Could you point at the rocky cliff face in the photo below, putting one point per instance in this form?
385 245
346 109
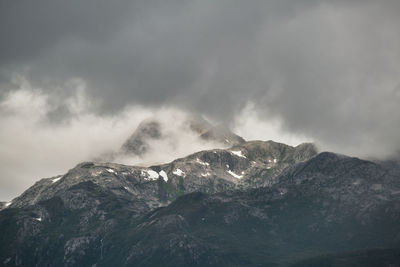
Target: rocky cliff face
327 204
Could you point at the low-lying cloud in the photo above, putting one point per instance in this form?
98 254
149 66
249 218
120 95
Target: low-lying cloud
37 142
33 147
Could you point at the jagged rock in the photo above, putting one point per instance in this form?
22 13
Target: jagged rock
252 164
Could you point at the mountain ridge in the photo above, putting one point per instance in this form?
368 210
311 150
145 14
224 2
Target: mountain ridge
254 203
209 171
327 204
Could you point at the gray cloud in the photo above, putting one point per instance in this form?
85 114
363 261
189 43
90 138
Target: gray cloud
327 70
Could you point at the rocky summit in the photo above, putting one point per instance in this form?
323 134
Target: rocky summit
255 203
153 129
252 164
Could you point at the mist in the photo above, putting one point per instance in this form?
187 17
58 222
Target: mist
41 138
290 71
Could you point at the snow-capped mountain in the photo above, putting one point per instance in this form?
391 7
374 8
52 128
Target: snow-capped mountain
252 164
157 140
256 203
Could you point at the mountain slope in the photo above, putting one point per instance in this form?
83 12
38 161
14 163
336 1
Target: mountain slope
365 258
249 165
315 211
327 204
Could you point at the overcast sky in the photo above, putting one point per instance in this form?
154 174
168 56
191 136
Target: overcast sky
326 71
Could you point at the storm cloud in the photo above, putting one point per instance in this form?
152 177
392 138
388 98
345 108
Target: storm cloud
328 71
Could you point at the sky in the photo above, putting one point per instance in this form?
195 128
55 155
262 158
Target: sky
76 77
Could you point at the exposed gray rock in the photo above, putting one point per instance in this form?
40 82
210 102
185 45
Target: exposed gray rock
141 141
137 143
252 164
322 205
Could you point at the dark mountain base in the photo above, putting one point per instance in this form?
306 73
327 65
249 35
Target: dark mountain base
368 258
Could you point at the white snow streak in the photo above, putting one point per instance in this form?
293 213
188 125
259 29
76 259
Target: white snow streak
164 175
178 172
152 175
111 171
235 175
238 153
55 180
202 162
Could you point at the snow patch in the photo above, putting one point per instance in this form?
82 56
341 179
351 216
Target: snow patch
126 188
56 180
164 175
202 162
235 175
8 204
178 172
238 153
206 174
111 171
275 160
151 175
38 219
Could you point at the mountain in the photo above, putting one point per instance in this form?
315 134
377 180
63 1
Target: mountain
328 204
252 164
208 132
137 143
365 258
151 130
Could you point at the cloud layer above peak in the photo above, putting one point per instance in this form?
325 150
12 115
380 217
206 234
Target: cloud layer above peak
327 71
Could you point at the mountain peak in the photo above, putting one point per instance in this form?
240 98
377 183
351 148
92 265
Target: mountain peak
137 143
201 209
152 130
